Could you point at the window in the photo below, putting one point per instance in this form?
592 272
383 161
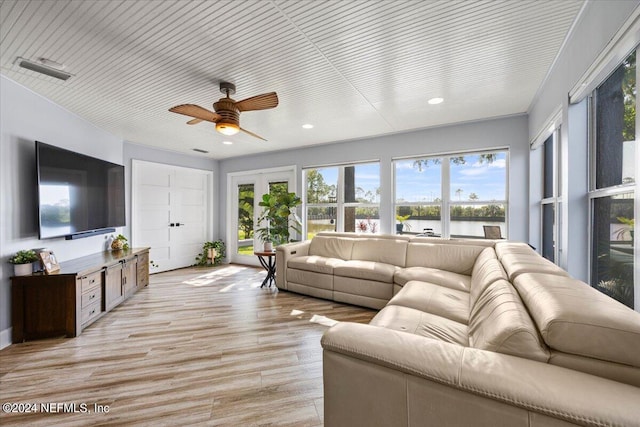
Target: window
613 187
551 203
471 189
342 198
419 196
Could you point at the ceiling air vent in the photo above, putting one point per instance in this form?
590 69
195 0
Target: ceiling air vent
200 151
44 66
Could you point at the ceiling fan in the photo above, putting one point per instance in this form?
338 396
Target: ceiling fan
227 111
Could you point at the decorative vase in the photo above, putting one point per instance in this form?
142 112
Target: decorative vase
268 247
22 269
117 245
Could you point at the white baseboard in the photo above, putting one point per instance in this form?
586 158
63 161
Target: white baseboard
5 338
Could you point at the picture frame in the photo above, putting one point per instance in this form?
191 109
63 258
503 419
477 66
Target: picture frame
49 261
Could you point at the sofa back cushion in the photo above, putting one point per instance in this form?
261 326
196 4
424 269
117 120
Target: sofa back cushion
503 248
516 264
575 318
500 322
486 270
387 251
454 241
455 258
331 247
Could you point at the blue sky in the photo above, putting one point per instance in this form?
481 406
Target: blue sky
486 180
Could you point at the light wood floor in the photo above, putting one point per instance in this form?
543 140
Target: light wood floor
196 347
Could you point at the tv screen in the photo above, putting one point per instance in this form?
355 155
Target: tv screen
77 193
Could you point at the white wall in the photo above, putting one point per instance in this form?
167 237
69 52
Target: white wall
509 132
596 26
24 118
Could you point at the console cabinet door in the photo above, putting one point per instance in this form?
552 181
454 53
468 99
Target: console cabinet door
129 277
113 286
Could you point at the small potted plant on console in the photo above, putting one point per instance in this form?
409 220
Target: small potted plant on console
120 242
23 262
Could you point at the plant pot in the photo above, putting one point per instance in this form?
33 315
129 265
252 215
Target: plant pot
22 269
268 247
117 244
211 254
399 228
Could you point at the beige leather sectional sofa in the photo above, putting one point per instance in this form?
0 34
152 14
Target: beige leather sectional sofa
469 333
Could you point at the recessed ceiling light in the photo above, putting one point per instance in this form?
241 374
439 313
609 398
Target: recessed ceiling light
434 101
307 126
227 142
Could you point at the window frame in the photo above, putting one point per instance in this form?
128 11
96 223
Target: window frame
555 200
595 193
445 182
339 205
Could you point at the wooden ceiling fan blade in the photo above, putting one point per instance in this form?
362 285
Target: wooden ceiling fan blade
194 121
258 102
196 111
252 134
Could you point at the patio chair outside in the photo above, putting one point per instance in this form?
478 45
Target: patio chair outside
492 232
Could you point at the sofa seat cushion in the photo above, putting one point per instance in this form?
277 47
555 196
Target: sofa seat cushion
431 298
460 282
500 322
577 319
418 322
368 270
315 263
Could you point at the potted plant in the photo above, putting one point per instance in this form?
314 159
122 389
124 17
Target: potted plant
119 242
23 262
212 253
402 223
264 234
279 218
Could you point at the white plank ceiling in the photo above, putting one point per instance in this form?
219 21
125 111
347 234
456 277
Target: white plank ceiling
353 69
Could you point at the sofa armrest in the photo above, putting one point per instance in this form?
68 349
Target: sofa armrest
503 383
283 254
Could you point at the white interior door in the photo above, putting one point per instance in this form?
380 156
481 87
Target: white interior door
245 192
171 212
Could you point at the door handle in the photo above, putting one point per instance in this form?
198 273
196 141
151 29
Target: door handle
172 225
178 224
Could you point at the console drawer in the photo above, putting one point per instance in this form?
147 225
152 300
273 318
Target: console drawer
91 280
92 296
91 312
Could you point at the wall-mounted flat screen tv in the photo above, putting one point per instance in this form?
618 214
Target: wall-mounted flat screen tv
78 195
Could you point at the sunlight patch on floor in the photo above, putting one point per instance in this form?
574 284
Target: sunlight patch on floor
214 276
323 320
227 288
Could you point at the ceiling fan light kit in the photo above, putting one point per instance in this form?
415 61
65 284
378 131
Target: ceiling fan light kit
227 110
227 128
